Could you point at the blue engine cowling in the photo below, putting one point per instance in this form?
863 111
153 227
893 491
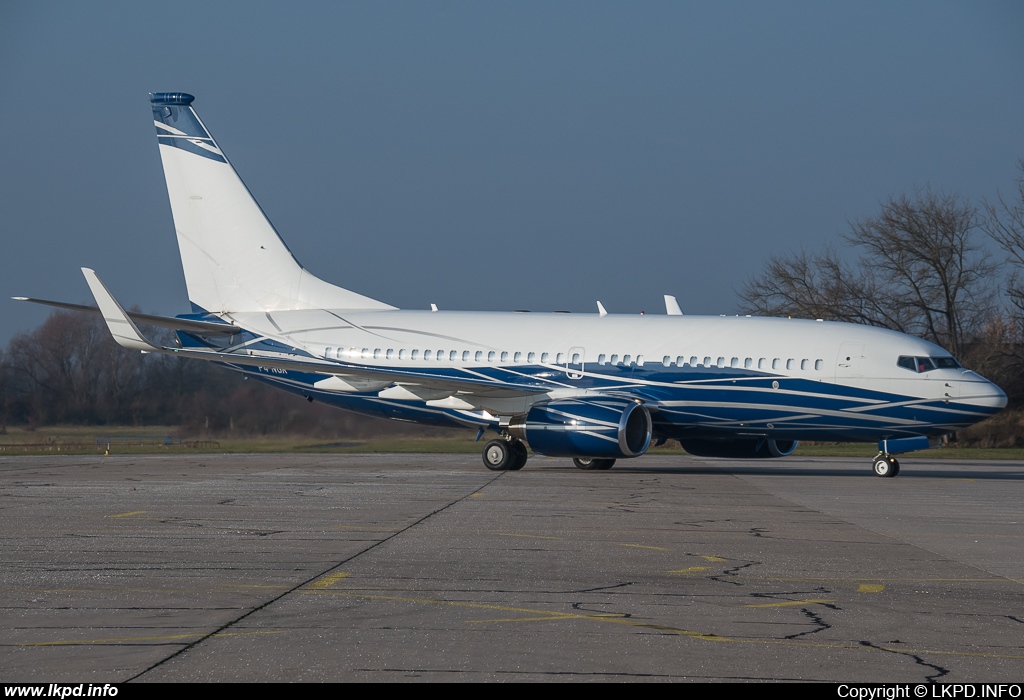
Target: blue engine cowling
740 448
585 428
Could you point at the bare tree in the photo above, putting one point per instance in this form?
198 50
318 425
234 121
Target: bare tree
1004 223
803 285
922 271
930 275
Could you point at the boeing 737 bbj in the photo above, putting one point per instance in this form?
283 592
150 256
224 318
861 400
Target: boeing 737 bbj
593 387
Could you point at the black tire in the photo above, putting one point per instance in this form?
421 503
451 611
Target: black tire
519 455
886 467
498 455
589 463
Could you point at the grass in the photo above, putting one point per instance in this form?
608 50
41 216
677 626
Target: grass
83 440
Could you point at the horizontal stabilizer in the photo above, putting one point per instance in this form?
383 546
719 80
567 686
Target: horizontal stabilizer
177 324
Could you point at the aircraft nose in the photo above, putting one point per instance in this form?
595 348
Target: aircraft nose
983 394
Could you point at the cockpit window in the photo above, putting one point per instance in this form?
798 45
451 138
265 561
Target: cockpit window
926 364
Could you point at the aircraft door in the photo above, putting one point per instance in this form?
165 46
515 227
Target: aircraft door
574 360
850 362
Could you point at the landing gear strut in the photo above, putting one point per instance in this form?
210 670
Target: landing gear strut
505 454
886 465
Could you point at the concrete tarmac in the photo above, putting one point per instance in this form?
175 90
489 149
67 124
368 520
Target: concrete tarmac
431 568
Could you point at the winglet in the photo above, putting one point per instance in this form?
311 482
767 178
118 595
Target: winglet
672 306
124 330
601 310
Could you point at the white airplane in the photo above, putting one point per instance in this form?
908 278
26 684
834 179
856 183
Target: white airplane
593 387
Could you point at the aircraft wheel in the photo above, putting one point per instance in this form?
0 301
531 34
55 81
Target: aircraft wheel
519 454
886 466
498 455
592 463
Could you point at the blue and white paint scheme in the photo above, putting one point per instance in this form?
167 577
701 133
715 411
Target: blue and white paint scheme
594 387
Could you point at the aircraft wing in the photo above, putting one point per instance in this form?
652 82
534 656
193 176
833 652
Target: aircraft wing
177 324
127 334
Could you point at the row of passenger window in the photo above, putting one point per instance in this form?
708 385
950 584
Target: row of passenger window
450 355
560 358
746 362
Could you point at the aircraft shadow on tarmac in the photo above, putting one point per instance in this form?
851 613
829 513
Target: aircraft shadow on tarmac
1010 472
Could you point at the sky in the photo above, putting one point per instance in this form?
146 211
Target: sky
496 155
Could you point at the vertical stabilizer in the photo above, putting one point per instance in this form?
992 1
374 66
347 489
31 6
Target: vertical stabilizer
233 258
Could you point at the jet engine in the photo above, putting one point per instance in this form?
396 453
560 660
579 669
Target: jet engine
741 448
598 428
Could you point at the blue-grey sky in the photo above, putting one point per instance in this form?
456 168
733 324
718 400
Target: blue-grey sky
502 155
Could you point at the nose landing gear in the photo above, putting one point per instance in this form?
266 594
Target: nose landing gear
886 465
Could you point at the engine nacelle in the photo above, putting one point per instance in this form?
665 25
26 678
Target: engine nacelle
740 448
597 428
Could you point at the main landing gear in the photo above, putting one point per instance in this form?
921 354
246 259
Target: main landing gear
588 463
505 454
886 465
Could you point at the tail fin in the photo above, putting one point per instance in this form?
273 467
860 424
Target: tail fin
233 258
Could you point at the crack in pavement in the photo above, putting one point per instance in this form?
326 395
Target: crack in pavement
940 671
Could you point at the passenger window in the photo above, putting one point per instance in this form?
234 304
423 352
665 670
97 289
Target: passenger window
707 361
376 353
531 357
693 361
416 355
327 352
453 355
600 359
721 362
576 358
761 363
401 354
789 364
803 364
735 362
366 353
666 360
748 363
639 360
504 356
427 354
615 359
544 357
819 364
465 355
776 363
626 359
390 355
479 356
490 356
560 358
339 352
518 357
